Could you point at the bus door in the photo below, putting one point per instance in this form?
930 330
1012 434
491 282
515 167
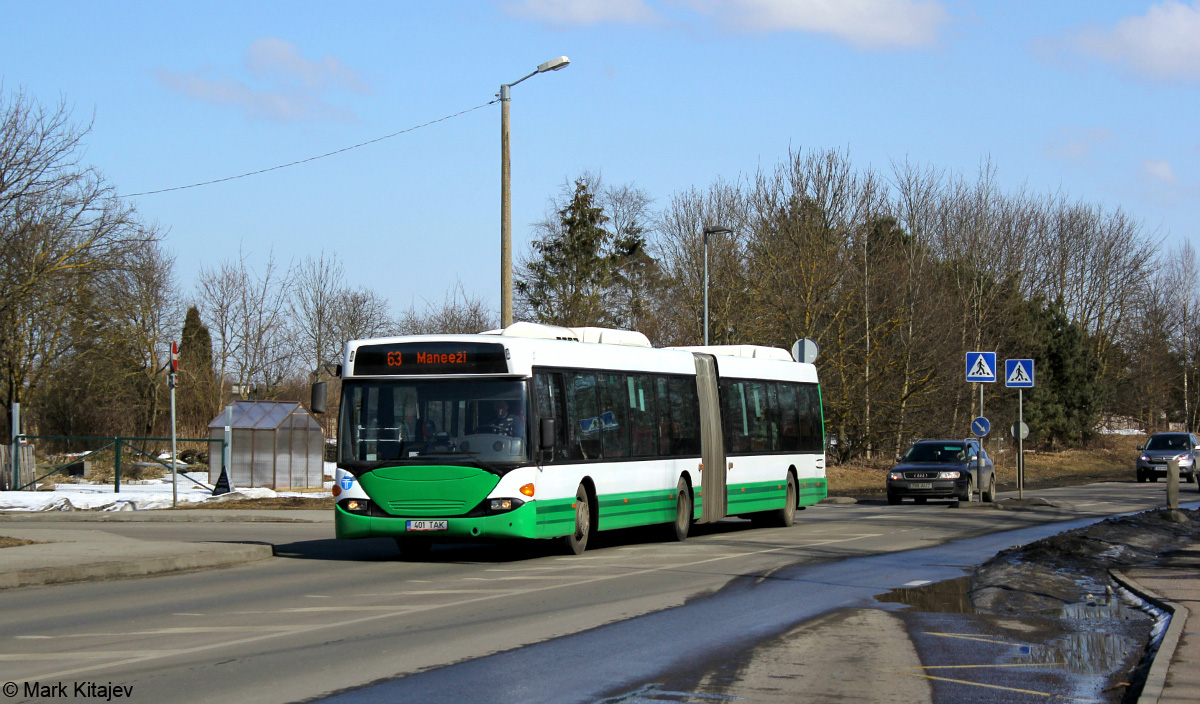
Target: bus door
712 443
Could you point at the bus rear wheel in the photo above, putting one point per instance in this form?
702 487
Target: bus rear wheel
683 512
786 516
576 542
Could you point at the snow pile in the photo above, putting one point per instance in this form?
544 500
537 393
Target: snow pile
149 494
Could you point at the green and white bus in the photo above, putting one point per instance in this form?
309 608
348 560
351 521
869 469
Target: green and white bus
537 431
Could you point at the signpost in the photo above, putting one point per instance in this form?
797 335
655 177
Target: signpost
172 382
981 369
1018 374
981 427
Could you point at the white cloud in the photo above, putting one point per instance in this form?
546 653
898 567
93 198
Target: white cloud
1163 44
867 24
583 12
281 60
1076 144
278 106
1159 170
288 87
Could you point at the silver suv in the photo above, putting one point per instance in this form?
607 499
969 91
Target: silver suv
1153 456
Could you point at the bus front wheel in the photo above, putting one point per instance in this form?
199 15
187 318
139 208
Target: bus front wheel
576 542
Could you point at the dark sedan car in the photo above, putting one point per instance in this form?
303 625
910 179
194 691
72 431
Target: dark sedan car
1161 447
940 469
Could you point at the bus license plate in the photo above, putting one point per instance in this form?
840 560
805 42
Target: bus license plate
426 525
917 485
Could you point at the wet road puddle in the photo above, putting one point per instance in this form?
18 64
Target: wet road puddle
1083 651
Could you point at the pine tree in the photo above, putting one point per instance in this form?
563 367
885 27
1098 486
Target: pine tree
573 265
1064 406
197 389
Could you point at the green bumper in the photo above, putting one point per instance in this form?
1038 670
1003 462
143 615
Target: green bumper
519 523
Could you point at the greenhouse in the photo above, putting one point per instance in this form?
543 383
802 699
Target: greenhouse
276 444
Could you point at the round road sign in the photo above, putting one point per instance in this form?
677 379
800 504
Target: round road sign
981 426
1020 430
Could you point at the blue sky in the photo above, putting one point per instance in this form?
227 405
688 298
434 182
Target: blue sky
1098 99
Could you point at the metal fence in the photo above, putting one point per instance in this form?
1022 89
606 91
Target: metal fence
28 473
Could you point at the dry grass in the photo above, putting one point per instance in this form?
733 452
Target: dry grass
278 502
1110 459
14 542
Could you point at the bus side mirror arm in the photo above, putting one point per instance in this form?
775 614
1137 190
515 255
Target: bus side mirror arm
546 434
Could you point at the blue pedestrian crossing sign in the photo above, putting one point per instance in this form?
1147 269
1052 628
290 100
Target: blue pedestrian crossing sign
1018 373
981 366
981 426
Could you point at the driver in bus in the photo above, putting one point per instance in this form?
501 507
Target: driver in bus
509 423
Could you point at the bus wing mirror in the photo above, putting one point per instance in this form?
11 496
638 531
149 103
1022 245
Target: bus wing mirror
318 398
546 434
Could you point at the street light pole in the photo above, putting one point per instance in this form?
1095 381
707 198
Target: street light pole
506 282
710 230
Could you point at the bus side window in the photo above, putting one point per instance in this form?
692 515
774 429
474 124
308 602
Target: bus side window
642 424
548 387
735 417
666 432
788 418
810 418
614 415
584 421
685 415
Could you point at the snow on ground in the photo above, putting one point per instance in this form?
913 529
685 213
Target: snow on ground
134 496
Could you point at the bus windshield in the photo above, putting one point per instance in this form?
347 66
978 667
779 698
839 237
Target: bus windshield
481 423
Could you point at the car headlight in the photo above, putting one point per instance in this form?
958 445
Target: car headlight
949 475
895 476
1144 457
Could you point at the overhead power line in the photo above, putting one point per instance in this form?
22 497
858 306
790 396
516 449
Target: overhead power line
313 158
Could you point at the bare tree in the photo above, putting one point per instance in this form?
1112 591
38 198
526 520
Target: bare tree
458 313
249 321
319 292
60 222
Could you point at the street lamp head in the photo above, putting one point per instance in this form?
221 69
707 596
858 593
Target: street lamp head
717 230
554 64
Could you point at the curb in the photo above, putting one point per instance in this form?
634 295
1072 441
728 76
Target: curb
208 559
1156 678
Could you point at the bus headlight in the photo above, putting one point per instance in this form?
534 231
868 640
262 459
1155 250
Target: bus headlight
357 506
502 505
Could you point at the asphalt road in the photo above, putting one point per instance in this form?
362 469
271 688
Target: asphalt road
325 617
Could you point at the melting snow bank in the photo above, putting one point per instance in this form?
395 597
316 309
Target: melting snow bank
151 494
1068 577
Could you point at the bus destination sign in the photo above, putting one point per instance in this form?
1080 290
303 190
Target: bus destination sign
409 358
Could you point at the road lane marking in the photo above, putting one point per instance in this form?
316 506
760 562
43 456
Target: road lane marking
376 617
84 654
177 630
423 592
357 607
917 583
979 684
973 636
973 667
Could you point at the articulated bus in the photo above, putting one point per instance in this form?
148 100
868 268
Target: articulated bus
537 431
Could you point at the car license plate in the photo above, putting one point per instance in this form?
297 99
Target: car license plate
920 485
426 525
